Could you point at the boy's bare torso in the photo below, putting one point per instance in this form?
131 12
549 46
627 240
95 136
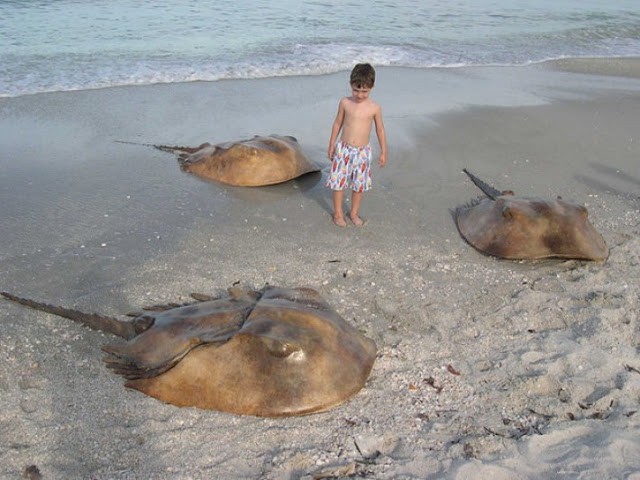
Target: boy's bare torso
358 117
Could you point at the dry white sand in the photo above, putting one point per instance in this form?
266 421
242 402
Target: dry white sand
486 369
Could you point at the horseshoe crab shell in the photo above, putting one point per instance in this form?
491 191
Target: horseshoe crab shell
275 352
507 226
259 161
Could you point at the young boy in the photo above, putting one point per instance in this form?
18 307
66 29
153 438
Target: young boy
351 156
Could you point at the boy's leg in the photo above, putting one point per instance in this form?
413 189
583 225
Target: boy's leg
338 216
361 181
356 200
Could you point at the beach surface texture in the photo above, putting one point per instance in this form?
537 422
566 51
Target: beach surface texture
486 368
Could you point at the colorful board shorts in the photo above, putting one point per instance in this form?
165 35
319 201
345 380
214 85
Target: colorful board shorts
350 168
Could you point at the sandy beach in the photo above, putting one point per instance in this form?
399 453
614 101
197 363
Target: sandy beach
486 368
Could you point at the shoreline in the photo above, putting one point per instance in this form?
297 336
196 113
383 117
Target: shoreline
610 66
541 347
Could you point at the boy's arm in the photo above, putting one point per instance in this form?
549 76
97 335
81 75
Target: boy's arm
335 129
382 136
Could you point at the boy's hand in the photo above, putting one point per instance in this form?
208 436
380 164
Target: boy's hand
383 159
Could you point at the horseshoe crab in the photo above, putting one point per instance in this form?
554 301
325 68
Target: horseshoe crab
273 352
259 161
507 226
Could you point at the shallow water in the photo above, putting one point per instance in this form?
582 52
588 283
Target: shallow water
130 42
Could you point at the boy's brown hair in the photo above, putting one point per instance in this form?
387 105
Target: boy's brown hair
363 76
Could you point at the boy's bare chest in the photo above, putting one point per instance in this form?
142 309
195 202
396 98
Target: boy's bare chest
359 112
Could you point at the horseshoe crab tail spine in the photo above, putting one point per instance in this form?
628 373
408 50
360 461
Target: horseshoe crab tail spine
91 320
135 143
488 190
164 148
175 148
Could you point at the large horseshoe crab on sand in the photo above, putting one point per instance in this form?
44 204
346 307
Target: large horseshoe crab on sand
507 226
255 162
274 352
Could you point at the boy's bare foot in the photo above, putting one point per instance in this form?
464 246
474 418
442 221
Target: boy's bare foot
357 221
339 221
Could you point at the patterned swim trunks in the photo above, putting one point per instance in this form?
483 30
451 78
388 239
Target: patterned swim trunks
350 168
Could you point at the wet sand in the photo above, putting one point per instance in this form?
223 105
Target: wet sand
547 352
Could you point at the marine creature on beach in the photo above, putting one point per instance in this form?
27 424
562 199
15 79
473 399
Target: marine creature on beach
255 162
508 226
271 353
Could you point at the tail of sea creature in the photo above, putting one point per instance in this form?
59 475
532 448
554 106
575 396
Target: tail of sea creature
92 320
176 148
488 190
164 148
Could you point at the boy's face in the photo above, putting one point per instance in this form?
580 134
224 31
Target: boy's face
360 93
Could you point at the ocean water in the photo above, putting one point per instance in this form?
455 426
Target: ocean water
58 45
